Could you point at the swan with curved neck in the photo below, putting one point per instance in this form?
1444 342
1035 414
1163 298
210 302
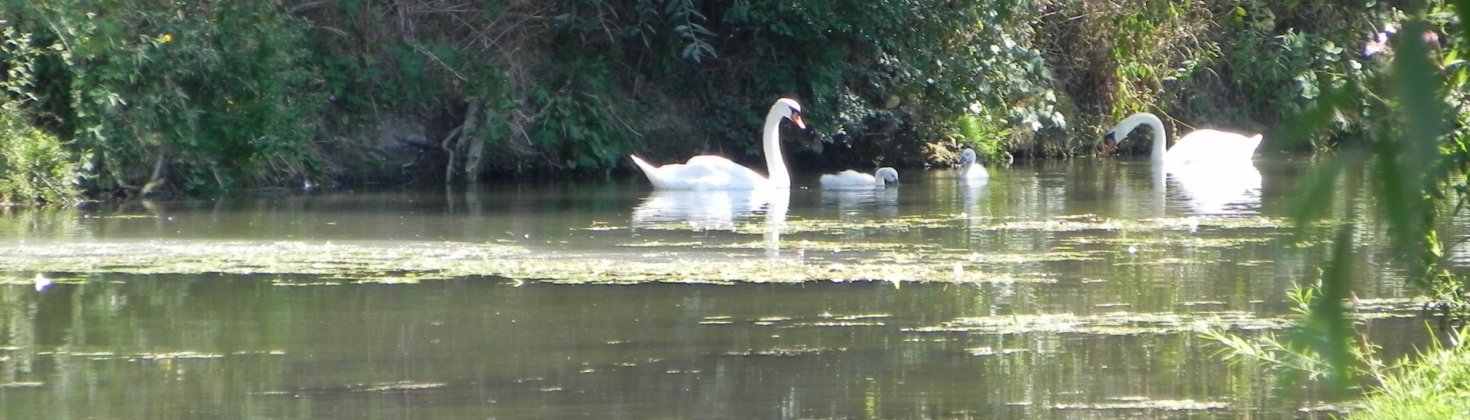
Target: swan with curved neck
1198 147
709 172
970 168
851 179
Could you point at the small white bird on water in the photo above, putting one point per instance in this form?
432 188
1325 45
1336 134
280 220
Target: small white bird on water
851 179
971 171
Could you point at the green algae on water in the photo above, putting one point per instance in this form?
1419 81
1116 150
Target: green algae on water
332 263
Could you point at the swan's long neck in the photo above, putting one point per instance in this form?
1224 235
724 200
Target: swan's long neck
771 138
1161 142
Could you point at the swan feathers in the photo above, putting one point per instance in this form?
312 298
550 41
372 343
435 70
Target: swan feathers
851 179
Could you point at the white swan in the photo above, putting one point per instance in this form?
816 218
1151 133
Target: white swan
1201 147
708 172
971 171
851 179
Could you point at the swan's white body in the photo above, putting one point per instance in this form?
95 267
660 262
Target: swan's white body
1201 147
971 171
708 172
850 179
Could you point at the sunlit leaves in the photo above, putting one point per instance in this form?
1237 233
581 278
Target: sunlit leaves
203 96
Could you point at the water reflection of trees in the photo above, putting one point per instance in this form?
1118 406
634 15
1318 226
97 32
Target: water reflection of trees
154 346
135 347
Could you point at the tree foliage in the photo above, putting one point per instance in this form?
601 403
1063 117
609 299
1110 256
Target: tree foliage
219 95
195 96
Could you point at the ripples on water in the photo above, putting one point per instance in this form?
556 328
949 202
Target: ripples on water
1069 290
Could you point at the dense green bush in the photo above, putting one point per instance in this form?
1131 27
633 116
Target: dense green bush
1243 65
33 165
576 85
195 96
1285 55
877 79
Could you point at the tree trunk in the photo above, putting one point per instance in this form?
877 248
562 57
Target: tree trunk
474 135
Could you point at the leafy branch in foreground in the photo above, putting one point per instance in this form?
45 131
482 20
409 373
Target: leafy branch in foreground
1292 355
1417 159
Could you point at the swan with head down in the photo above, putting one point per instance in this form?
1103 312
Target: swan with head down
971 171
709 172
850 179
1200 147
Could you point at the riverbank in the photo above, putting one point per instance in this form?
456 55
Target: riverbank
150 99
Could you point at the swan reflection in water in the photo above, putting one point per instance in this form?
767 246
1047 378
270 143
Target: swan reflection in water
717 210
977 214
972 193
1220 189
864 204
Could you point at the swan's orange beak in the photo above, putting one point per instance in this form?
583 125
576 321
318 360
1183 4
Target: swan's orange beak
1110 144
796 118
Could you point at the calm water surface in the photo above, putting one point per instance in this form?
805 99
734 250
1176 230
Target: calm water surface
1068 290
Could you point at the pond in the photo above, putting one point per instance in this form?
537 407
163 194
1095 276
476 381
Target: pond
1071 289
